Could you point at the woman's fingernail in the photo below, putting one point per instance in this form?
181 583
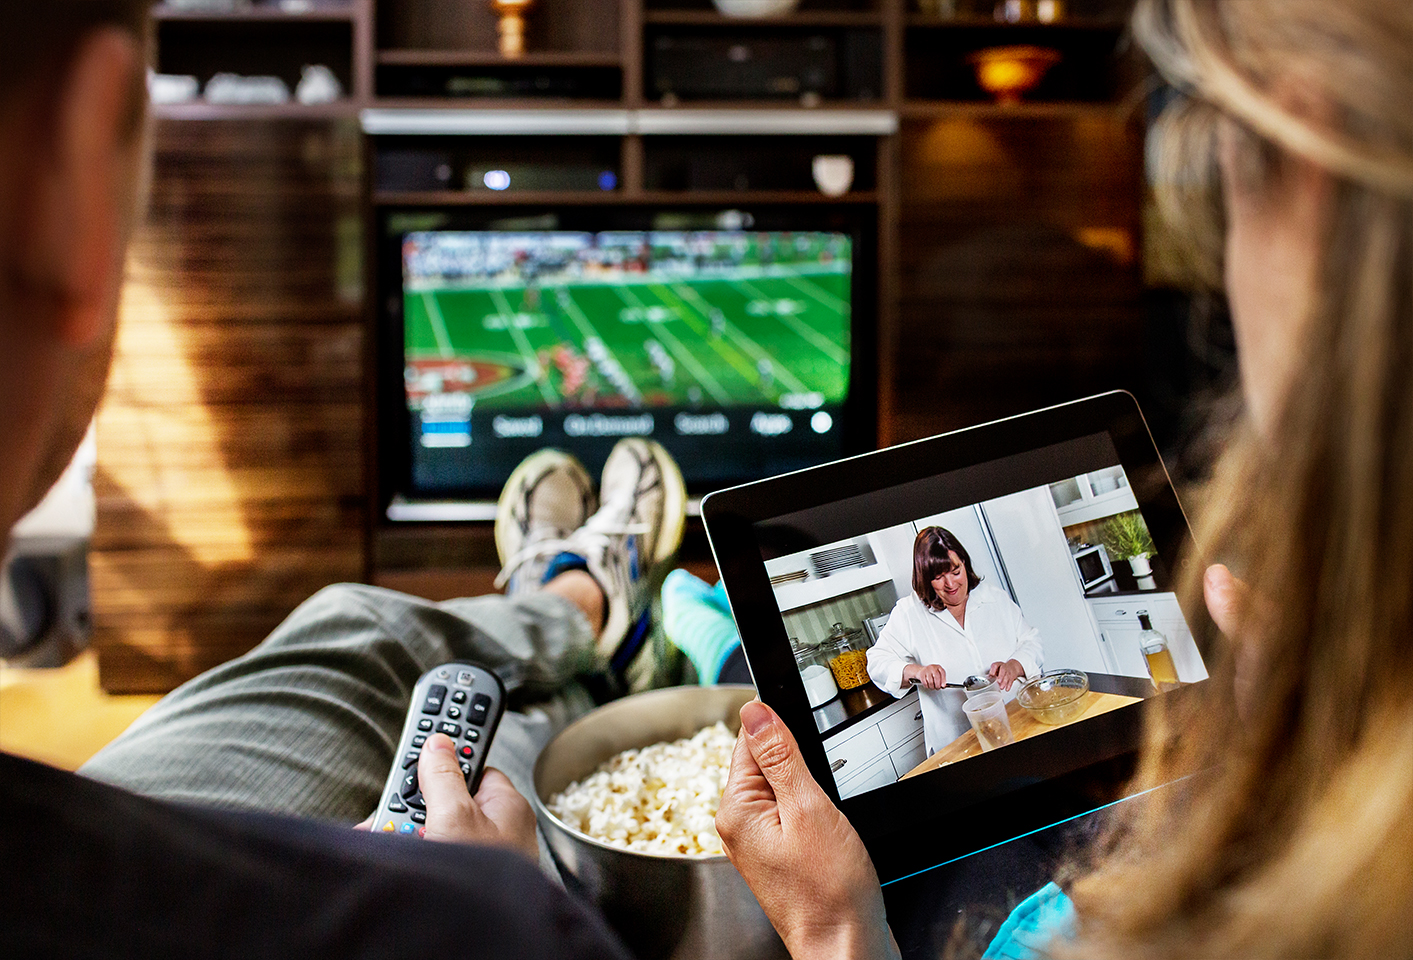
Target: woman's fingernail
755 717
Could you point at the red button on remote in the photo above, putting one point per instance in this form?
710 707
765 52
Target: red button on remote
467 752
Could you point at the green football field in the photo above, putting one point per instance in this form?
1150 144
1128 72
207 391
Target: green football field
777 337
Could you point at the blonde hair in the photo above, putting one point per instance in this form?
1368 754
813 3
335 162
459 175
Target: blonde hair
1297 839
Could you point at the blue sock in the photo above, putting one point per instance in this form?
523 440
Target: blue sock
563 563
696 619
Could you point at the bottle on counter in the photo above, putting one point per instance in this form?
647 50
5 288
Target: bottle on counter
1156 654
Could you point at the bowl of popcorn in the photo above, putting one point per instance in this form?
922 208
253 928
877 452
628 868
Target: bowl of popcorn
627 798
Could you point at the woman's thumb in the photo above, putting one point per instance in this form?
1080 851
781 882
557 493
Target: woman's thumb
774 750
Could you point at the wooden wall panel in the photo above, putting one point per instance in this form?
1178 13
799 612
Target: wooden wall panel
230 467
1018 273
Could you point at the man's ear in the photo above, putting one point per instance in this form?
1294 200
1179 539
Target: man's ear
79 211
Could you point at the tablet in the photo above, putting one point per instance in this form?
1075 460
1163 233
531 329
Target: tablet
1045 545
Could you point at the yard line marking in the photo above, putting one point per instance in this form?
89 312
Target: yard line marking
438 322
522 343
581 320
733 357
806 332
828 299
684 356
778 370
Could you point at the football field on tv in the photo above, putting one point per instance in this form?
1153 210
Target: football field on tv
757 337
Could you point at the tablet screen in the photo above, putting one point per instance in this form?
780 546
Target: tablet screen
1021 573
970 602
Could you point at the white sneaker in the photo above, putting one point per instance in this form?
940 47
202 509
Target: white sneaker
637 526
548 496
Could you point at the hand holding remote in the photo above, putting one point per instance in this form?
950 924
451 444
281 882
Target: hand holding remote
497 815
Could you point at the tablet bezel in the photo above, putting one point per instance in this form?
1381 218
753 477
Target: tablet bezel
913 824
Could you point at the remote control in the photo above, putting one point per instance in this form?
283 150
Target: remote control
463 701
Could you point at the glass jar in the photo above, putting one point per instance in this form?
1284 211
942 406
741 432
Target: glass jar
848 657
813 665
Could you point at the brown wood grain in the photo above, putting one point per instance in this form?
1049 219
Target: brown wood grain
230 457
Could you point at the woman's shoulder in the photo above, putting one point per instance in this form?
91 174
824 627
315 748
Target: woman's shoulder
988 592
907 606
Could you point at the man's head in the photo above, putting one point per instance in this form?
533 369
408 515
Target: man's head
71 164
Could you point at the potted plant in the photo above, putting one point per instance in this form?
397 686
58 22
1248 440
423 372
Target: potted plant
1126 537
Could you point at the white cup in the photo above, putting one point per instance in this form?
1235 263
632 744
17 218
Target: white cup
833 173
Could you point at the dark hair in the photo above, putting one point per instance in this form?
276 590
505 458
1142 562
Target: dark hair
38 38
931 560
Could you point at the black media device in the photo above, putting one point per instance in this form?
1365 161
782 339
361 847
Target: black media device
733 66
1027 498
743 341
462 700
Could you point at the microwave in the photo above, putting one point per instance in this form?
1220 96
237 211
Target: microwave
1093 564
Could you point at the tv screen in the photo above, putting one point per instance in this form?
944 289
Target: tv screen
734 348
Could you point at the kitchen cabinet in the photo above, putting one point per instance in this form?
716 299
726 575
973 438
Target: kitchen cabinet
878 750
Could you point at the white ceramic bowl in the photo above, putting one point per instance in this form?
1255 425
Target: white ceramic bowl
750 9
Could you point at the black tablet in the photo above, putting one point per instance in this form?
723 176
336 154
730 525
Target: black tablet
1043 548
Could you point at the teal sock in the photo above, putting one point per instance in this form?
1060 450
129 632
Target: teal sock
697 620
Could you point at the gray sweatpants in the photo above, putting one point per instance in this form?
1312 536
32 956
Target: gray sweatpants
306 723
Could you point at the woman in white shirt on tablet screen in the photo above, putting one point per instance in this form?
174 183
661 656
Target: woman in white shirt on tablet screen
950 627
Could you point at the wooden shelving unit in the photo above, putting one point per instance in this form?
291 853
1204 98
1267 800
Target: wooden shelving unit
1007 244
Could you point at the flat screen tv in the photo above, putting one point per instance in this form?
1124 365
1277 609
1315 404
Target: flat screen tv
743 342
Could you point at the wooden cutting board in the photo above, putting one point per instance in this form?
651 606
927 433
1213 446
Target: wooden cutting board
1023 725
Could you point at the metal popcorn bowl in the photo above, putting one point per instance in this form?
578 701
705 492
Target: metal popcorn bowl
683 908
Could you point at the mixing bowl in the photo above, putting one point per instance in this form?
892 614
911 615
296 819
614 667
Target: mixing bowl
684 908
1055 697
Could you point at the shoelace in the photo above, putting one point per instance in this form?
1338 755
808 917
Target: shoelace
595 533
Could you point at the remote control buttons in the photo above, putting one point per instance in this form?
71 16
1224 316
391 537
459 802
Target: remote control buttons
466 753
418 816
407 828
410 758
452 730
397 806
435 696
410 785
424 725
420 739
416 802
466 678
458 696
453 713
443 673
480 709
472 735
465 769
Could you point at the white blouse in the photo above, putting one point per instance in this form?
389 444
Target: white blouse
995 630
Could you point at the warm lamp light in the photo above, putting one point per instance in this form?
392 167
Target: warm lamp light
512 25
1009 73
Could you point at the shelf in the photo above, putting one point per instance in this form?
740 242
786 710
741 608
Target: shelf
961 109
268 13
801 18
506 118
535 198
792 596
765 119
200 110
489 58
445 118
976 22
